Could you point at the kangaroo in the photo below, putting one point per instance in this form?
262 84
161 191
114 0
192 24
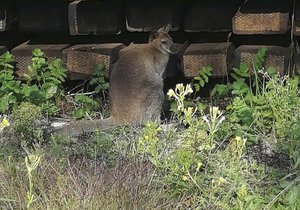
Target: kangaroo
136 85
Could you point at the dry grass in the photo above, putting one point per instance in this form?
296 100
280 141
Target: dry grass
81 184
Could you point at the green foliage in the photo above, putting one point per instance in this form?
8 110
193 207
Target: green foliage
267 112
293 196
209 163
173 161
282 96
241 72
187 168
239 87
103 148
240 112
220 90
240 75
191 169
9 87
149 143
99 79
45 75
42 83
203 77
292 144
26 119
249 110
86 105
260 59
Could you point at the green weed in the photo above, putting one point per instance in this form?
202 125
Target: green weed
207 159
42 83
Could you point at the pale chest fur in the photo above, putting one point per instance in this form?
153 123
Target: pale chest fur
159 62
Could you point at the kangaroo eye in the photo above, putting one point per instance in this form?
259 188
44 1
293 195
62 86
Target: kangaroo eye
164 41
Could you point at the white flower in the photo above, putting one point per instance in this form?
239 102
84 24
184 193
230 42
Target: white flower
179 87
171 93
188 89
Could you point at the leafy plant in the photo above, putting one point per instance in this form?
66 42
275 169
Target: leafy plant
220 90
148 143
86 106
26 124
266 111
240 87
203 77
241 72
248 109
45 74
9 87
43 80
211 162
42 83
99 79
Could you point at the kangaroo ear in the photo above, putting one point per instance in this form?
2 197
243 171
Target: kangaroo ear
164 29
183 47
152 36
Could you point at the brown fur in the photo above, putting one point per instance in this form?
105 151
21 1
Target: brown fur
136 85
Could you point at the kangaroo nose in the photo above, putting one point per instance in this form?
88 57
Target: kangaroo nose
173 49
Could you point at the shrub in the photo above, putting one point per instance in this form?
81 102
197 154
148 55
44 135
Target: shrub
42 83
26 124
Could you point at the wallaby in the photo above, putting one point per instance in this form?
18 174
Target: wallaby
135 85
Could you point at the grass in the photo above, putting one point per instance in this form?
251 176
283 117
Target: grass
80 184
121 177
244 157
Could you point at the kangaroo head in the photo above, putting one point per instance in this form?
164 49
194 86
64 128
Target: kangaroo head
162 41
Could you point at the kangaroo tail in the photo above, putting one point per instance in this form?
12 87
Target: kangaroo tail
84 126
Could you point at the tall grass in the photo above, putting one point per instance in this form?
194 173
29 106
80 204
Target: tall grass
80 184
